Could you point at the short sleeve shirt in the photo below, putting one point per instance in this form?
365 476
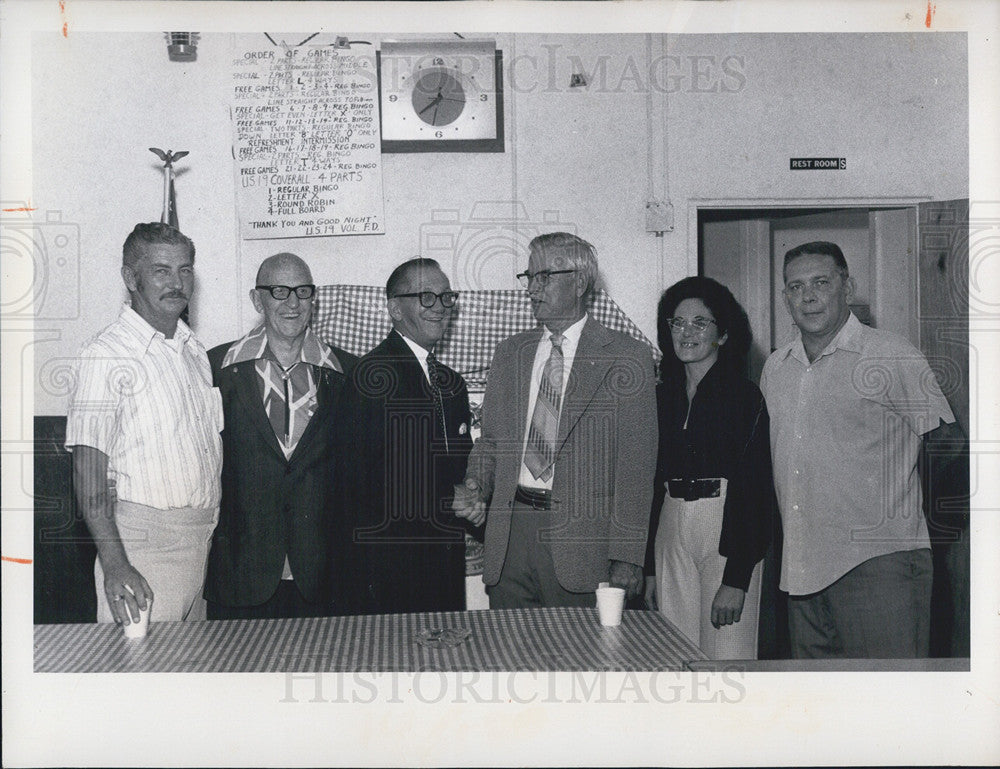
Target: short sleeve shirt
147 402
845 438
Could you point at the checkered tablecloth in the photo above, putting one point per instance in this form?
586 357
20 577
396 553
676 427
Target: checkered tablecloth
559 639
355 319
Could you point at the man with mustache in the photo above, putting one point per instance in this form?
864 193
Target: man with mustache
280 387
143 426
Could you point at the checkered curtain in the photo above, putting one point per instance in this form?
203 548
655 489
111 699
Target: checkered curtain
355 319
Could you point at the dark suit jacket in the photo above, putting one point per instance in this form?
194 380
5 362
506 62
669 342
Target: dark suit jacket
606 453
271 506
408 548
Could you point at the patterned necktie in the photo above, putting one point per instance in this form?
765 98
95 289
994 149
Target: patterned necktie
435 376
289 399
540 452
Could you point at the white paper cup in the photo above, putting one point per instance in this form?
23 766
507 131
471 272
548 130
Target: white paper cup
138 629
610 603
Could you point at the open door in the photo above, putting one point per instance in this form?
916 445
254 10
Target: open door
943 310
944 339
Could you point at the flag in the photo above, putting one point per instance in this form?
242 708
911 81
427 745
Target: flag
169 215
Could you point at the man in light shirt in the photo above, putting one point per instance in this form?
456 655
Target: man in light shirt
568 446
849 406
406 444
281 387
143 426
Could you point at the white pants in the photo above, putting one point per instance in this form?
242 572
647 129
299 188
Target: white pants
170 549
689 573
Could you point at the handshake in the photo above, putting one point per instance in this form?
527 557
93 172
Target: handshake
468 502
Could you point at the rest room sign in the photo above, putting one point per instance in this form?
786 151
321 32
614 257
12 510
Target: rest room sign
817 164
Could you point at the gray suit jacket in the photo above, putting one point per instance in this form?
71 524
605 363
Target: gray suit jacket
606 453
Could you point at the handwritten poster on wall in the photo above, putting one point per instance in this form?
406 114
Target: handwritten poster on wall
306 140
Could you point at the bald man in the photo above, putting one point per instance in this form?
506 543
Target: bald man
271 553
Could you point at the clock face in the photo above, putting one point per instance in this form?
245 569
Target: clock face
439 97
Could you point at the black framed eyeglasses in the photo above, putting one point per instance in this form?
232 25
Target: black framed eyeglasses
428 298
281 293
698 324
541 277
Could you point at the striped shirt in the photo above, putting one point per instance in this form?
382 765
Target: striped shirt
147 402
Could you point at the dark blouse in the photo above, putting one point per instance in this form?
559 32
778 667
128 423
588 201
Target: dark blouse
727 436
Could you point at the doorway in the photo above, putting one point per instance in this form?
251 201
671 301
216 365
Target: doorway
743 249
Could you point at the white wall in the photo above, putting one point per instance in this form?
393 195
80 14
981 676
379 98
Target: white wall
894 105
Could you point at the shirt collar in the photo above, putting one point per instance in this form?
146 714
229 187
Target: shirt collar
718 376
253 346
718 379
144 333
571 335
418 350
849 338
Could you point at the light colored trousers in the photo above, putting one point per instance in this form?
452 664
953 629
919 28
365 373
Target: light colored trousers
689 572
170 549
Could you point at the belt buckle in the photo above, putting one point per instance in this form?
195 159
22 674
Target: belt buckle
536 500
691 489
540 500
681 488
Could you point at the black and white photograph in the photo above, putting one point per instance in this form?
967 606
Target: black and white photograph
482 383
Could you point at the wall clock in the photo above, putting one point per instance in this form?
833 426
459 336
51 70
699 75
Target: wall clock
441 96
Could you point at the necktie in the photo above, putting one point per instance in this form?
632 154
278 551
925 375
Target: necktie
540 452
288 399
435 377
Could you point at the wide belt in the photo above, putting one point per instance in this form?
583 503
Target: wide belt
537 499
690 489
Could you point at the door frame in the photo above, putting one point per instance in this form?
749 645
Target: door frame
756 276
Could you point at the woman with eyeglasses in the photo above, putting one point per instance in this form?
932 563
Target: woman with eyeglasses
714 495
